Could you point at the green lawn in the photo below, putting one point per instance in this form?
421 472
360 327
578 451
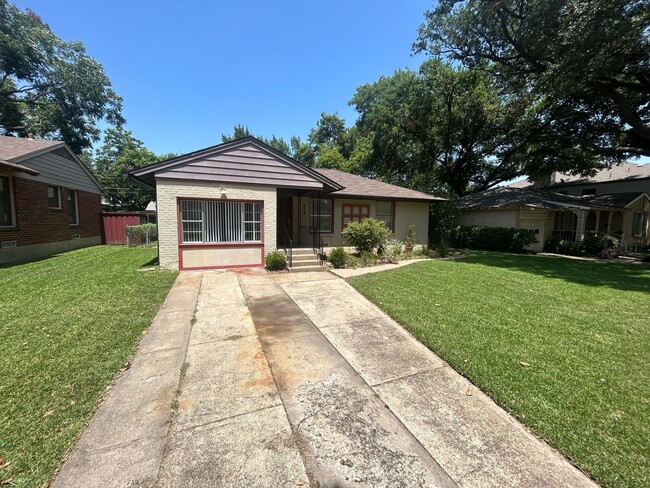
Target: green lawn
584 328
68 323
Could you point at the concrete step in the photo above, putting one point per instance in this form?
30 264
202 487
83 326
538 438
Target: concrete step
305 263
305 257
304 269
303 252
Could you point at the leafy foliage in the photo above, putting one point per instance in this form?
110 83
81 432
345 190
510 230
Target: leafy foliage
338 257
441 220
493 238
366 235
275 261
590 246
119 154
393 249
581 66
442 129
141 234
50 88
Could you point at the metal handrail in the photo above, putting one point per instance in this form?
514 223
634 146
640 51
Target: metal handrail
289 252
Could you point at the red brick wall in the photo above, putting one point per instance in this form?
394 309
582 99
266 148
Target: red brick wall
36 223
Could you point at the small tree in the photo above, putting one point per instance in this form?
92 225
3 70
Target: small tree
366 235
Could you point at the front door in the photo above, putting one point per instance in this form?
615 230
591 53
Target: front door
285 224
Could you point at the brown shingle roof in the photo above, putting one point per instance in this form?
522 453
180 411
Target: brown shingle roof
619 172
505 197
17 147
358 186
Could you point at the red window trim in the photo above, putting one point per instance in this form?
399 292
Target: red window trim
182 245
351 215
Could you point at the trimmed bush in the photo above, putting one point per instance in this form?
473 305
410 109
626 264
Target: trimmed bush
493 238
561 246
366 235
137 235
275 261
338 257
602 246
597 244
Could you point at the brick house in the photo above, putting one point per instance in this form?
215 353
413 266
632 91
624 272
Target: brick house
49 200
228 205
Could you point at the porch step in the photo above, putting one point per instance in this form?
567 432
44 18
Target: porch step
304 269
304 257
303 252
304 263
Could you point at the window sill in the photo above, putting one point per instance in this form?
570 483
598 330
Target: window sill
221 244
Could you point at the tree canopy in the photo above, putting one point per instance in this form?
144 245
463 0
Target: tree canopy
111 162
50 88
582 65
442 129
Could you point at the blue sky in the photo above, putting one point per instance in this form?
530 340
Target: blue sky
189 71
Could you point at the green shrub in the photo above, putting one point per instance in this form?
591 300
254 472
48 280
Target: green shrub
645 258
351 261
141 234
275 261
594 245
393 250
410 236
367 258
493 238
366 235
561 246
442 251
338 257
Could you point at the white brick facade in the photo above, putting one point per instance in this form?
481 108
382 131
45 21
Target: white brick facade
168 191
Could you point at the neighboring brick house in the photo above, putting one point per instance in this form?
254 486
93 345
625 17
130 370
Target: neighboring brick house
49 201
228 205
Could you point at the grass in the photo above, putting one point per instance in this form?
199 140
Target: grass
583 326
68 325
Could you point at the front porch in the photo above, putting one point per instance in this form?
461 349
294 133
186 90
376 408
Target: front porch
575 224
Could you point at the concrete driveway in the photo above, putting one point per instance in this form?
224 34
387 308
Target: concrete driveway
255 379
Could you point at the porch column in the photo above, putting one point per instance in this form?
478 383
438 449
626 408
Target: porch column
609 222
580 225
596 230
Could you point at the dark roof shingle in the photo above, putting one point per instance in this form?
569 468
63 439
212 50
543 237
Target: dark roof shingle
18 147
359 186
505 197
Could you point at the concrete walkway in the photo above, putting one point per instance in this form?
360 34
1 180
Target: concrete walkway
255 379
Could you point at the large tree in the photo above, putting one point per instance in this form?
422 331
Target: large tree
442 129
50 88
111 162
582 66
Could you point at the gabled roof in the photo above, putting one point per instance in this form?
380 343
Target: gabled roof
14 150
619 172
247 160
359 186
18 148
512 198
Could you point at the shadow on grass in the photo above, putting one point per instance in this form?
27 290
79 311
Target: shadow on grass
150 263
620 276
